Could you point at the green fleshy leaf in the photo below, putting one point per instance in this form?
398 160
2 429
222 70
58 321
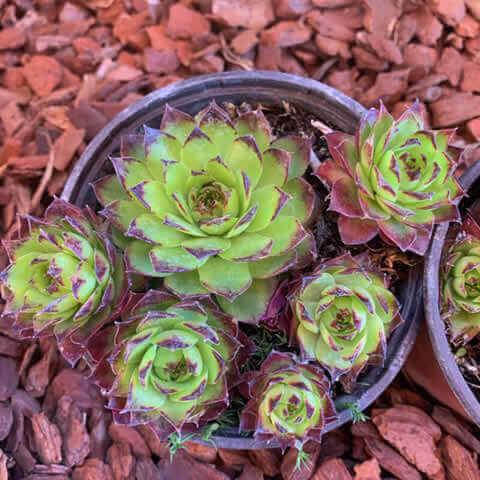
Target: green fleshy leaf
173 260
272 266
248 247
225 278
206 247
137 256
302 202
122 212
271 201
254 123
130 171
244 156
186 284
219 170
108 189
150 229
174 175
251 305
154 197
300 151
276 165
177 123
198 150
286 232
218 226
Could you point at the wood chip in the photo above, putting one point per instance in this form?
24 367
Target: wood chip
450 11
459 461
12 118
254 14
368 470
123 434
267 460
455 109
6 421
450 423
9 382
390 460
331 25
93 469
43 74
413 433
47 440
165 61
471 71
186 23
287 34
288 467
290 9
451 64
429 29
13 37
332 469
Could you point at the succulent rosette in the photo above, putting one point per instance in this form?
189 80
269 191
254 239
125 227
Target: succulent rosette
211 205
343 313
393 178
169 362
65 277
289 402
461 284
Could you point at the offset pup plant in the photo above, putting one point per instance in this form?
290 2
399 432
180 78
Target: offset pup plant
289 402
393 178
342 315
169 362
461 284
65 278
216 214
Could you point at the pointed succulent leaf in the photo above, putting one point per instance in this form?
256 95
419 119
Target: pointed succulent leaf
233 281
177 123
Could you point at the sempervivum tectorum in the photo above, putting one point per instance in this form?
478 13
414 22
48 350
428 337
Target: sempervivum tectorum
65 277
343 313
169 362
289 402
213 206
393 178
461 283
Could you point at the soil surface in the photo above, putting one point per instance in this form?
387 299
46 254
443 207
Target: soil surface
67 68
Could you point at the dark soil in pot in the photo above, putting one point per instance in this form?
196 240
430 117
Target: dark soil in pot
459 363
290 104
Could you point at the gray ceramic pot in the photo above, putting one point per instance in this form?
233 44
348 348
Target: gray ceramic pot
470 181
267 88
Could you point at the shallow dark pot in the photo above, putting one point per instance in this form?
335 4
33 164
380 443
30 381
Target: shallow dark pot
436 329
267 88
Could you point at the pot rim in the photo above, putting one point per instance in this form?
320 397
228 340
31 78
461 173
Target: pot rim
436 326
345 113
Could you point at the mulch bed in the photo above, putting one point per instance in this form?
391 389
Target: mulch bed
67 68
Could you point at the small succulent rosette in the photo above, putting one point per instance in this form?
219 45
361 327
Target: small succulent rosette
213 206
393 178
169 363
289 402
461 284
65 278
342 315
